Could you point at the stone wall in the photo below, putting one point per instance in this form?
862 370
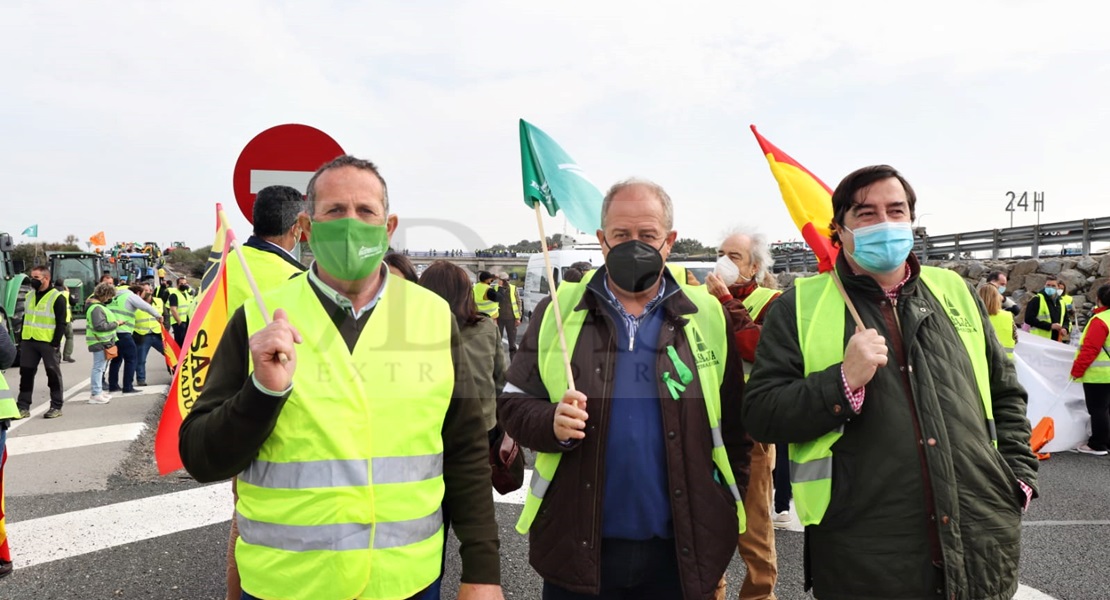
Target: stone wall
1082 276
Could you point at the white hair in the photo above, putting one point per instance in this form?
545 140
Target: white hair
760 248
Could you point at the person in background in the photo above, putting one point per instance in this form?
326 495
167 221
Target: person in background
743 258
486 295
100 334
1045 315
124 307
8 411
1067 302
269 250
180 304
998 280
401 266
147 333
481 344
508 312
1092 368
44 324
67 348
1001 320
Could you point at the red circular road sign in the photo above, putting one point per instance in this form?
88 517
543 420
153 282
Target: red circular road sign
281 155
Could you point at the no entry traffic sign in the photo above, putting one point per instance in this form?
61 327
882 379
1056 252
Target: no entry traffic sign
282 155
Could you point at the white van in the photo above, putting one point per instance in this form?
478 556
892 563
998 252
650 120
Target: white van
700 268
535 280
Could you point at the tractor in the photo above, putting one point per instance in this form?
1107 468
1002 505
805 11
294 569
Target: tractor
80 272
14 287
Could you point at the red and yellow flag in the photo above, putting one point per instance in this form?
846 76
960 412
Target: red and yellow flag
206 327
5 552
170 349
807 198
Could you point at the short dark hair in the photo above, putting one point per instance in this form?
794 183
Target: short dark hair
573 274
41 269
484 276
583 266
451 283
844 196
994 276
275 210
345 160
1103 294
1048 278
401 263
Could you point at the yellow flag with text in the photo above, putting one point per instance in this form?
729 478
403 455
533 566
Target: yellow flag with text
206 327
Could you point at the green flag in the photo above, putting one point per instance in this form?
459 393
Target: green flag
32 231
552 178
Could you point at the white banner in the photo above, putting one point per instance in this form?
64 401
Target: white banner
1044 368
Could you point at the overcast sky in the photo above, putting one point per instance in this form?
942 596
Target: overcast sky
129 117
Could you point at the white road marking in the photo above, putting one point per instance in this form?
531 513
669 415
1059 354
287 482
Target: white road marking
67 535
58 537
261 178
74 438
66 395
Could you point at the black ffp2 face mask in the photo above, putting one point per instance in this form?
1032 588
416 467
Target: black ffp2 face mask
633 265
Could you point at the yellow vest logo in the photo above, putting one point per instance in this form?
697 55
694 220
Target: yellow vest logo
704 356
963 324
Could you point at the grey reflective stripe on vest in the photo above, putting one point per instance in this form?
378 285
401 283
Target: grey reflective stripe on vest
342 473
991 428
814 470
304 475
719 442
1100 363
6 394
538 485
338 537
407 469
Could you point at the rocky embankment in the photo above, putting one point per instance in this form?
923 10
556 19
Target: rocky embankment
1082 276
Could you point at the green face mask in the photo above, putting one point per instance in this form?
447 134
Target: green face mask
348 249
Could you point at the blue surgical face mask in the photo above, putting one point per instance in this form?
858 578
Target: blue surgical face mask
1001 289
883 247
1050 292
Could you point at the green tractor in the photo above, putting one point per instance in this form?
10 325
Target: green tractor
80 272
13 288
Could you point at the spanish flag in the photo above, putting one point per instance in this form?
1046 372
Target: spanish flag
170 349
807 198
206 327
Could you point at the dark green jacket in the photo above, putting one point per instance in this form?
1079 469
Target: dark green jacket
915 476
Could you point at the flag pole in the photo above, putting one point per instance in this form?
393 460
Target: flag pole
250 278
554 300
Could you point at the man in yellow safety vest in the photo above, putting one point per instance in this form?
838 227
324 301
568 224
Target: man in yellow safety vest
44 324
909 444
642 462
486 296
348 420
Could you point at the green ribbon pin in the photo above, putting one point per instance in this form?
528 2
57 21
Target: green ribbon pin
685 375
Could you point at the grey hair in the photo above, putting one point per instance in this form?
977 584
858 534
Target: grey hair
760 248
654 188
345 160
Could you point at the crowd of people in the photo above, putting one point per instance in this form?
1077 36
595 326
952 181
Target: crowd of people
358 407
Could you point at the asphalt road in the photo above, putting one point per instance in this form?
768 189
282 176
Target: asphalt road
89 518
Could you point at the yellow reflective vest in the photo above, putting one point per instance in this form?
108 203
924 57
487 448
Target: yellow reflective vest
184 306
1003 323
268 269
343 500
38 320
706 328
118 306
485 305
8 407
1044 316
145 323
1099 371
755 303
821 310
